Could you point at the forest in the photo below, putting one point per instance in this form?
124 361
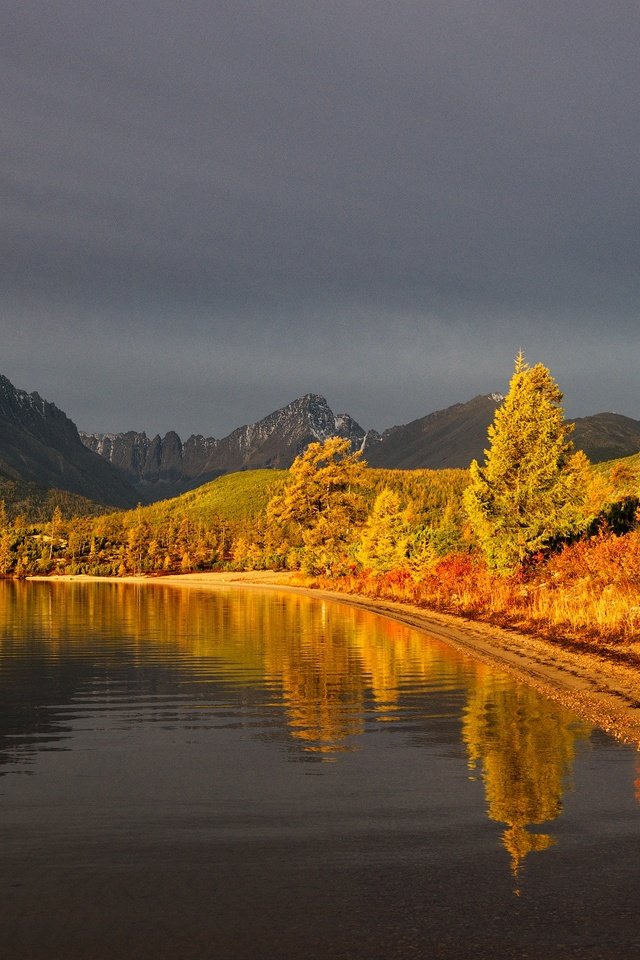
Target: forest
535 537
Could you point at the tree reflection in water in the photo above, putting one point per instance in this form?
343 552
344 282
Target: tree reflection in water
525 749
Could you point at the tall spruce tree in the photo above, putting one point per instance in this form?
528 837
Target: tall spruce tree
531 489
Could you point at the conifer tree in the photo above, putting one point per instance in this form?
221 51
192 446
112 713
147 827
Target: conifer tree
6 541
531 489
384 540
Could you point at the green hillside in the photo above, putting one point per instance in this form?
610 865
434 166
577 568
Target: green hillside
621 478
232 497
244 496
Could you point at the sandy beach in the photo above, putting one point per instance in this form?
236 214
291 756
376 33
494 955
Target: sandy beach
599 685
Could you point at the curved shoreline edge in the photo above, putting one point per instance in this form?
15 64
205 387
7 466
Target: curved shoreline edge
603 691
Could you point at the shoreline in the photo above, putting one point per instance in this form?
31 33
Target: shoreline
604 691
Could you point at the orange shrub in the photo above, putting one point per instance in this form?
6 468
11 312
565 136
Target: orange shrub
590 589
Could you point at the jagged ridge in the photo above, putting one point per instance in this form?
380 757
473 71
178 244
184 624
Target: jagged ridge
164 466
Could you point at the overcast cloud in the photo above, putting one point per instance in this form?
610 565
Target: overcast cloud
210 208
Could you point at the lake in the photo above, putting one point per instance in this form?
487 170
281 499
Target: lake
250 774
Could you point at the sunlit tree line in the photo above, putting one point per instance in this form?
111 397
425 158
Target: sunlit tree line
114 545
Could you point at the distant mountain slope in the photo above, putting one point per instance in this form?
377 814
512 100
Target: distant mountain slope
40 444
457 435
164 466
447 438
607 436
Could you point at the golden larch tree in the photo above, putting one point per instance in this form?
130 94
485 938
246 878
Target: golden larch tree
532 487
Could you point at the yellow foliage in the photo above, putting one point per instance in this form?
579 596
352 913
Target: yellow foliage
384 539
322 501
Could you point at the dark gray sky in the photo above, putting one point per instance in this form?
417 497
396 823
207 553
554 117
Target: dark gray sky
211 208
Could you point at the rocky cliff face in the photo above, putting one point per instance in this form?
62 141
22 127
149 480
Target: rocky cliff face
164 466
40 444
159 466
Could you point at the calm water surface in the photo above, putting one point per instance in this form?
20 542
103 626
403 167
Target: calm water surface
250 775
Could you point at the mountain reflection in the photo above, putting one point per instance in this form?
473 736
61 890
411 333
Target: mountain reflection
321 670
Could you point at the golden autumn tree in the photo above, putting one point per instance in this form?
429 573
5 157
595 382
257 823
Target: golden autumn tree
531 489
384 540
6 541
322 504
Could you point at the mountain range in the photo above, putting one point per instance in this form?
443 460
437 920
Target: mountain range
40 444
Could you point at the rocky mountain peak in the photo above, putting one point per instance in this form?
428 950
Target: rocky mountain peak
165 466
16 404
